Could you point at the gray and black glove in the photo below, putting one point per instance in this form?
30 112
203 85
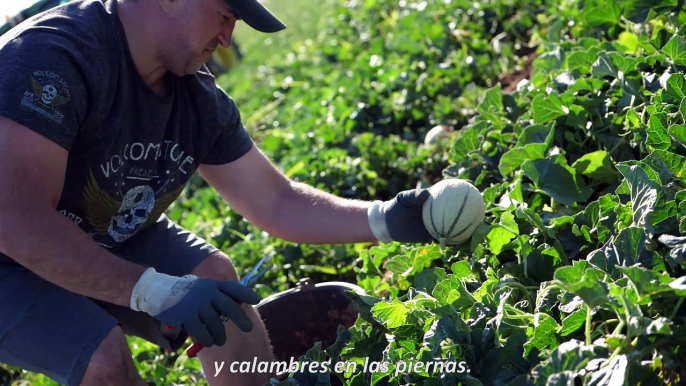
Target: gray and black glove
400 219
193 303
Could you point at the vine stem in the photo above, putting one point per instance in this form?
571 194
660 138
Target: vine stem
523 289
602 325
676 309
588 325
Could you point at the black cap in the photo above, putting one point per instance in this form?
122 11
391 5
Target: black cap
256 15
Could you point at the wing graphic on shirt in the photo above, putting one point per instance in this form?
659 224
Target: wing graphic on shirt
162 203
38 90
100 207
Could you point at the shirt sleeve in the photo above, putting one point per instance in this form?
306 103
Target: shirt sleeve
41 86
233 140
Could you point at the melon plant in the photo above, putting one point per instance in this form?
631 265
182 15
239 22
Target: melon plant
453 211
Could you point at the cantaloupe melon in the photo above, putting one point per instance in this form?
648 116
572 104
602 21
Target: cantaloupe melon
454 210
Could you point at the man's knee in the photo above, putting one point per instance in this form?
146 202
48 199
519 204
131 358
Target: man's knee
111 364
216 266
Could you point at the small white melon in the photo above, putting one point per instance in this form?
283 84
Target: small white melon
454 210
434 135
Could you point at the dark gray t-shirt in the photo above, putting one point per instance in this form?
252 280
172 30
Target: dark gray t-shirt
68 75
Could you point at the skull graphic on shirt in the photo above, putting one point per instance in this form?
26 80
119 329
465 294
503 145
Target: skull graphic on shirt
133 212
114 221
49 93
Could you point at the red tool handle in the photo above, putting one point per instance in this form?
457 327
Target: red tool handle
197 346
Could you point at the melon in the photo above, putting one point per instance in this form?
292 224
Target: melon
453 211
436 134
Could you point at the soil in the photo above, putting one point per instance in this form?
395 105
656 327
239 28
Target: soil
508 82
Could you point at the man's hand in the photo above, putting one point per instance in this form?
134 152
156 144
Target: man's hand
193 303
400 219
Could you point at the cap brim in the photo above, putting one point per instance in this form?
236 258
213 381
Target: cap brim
256 15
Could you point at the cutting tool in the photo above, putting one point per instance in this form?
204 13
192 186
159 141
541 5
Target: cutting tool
248 280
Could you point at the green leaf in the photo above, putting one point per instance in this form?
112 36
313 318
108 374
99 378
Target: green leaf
629 40
625 63
678 132
582 284
537 134
676 49
677 245
603 16
497 239
544 334
533 142
650 207
452 291
577 117
514 158
648 283
569 358
363 304
626 250
391 315
548 108
503 364
637 11
597 165
428 278
676 89
603 66
507 221
582 60
554 176
658 137
534 219
462 271
542 263
614 374
491 107
467 142
668 165
573 322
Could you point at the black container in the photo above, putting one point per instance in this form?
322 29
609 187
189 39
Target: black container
298 318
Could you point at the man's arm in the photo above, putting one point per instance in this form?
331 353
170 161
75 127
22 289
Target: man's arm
34 234
290 210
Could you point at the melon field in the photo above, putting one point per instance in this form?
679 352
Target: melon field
568 116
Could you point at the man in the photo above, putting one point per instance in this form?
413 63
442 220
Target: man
106 110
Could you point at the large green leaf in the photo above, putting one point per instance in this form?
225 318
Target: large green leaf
676 49
391 315
548 108
638 10
591 290
597 165
544 336
467 142
606 15
554 176
626 250
650 205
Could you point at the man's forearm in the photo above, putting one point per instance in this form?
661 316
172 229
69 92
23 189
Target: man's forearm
50 245
312 216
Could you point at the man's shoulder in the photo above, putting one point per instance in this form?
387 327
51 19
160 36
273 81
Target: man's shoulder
82 25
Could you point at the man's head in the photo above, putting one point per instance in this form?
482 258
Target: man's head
190 30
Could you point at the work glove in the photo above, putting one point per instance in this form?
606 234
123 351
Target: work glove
400 219
193 303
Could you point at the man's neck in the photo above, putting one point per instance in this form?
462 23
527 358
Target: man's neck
141 40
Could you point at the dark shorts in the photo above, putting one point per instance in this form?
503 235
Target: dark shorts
47 329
